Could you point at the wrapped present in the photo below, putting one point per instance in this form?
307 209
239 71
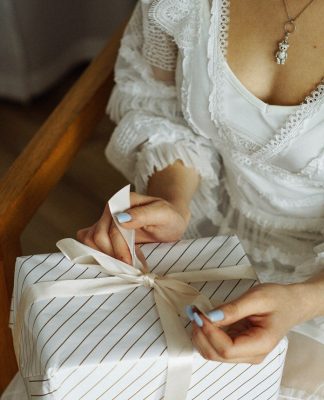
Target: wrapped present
87 326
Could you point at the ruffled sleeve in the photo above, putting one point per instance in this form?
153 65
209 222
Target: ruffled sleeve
151 131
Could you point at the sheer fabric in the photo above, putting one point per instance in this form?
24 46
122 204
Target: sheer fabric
255 180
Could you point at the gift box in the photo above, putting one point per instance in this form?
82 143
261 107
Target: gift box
113 345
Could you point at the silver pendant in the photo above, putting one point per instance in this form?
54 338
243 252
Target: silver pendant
282 53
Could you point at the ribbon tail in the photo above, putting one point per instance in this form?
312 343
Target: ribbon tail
180 351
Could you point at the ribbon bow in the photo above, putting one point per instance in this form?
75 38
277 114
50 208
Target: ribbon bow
171 293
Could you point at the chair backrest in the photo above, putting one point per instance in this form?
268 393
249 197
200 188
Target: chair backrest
39 167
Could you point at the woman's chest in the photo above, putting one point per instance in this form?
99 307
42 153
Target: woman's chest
232 114
255 29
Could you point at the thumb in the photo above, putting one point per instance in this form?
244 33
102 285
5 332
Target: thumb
245 306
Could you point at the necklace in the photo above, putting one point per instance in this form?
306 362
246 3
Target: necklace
289 28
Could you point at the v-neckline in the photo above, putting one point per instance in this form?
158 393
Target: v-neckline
217 49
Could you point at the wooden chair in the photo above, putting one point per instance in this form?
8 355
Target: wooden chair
39 167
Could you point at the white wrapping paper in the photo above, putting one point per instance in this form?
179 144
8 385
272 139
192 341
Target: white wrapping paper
113 346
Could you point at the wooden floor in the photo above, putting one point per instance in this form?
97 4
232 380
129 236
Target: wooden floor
80 196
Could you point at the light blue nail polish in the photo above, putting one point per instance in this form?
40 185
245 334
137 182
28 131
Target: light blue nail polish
198 320
190 313
216 315
123 217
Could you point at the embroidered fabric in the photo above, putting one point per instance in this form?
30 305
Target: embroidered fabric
159 48
180 19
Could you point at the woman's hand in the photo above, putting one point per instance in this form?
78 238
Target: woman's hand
154 219
247 329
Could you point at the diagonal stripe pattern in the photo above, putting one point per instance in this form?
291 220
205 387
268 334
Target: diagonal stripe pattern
103 358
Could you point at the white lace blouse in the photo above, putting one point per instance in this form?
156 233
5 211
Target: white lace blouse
261 166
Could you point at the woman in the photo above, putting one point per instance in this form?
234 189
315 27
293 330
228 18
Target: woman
219 107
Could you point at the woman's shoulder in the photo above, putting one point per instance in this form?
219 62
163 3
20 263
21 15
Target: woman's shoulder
179 18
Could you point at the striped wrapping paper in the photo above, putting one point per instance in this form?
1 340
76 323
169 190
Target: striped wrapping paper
112 346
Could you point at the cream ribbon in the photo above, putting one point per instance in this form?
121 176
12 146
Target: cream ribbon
171 293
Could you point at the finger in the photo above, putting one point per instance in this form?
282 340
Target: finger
255 341
201 343
88 240
142 216
119 245
156 221
249 304
206 349
137 199
81 234
101 237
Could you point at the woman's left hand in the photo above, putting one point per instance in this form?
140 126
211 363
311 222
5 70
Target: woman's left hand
253 324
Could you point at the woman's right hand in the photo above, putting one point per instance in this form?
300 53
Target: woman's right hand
154 220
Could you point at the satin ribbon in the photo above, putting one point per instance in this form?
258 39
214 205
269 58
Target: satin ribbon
171 293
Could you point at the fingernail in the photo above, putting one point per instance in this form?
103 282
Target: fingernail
198 320
123 217
190 313
216 315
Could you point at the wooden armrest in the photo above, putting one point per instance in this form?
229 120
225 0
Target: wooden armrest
40 166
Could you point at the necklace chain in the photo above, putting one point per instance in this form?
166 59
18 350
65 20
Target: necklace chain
300 12
289 27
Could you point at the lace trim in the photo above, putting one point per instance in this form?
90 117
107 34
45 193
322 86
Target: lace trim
230 141
279 222
315 168
294 124
179 18
136 88
219 12
313 200
186 92
120 151
269 254
159 48
123 100
184 58
223 25
137 128
157 156
276 174
217 49
296 251
129 53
